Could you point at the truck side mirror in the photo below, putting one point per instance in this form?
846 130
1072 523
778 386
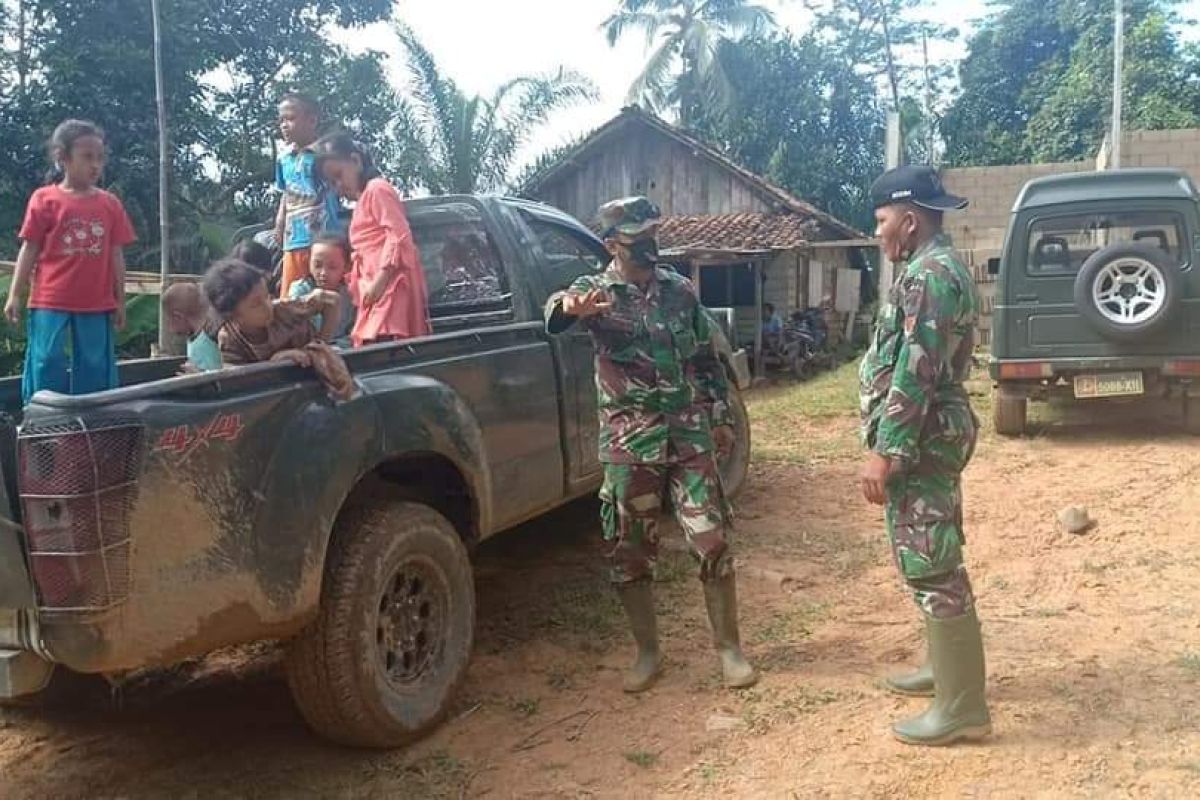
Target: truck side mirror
993 266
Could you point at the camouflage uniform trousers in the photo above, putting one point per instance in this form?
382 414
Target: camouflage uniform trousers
924 517
632 499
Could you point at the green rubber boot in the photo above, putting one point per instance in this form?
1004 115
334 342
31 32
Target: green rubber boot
638 599
918 683
720 597
959 709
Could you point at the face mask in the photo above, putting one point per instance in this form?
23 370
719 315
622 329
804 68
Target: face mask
643 253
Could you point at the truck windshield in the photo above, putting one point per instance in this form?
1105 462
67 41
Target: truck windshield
1060 245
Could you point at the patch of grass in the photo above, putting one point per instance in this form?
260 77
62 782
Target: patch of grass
709 772
795 623
673 567
1093 568
770 707
642 758
998 583
1190 661
524 706
561 678
591 611
814 421
439 775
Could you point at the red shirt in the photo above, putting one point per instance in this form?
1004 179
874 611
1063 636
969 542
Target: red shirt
78 234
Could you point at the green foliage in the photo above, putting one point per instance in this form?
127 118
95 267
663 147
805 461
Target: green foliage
1036 84
141 329
467 144
684 71
805 118
224 65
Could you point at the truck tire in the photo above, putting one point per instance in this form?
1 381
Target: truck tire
1128 292
735 466
393 636
1009 411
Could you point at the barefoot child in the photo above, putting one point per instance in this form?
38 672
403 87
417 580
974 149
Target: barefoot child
387 282
187 314
71 248
330 260
306 206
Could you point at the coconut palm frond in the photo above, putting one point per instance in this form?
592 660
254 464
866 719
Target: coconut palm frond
622 22
651 86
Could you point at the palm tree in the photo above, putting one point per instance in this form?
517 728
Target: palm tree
685 33
463 145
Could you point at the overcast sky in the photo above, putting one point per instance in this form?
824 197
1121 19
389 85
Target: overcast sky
482 43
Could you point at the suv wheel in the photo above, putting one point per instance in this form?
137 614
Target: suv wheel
392 639
1128 291
1009 411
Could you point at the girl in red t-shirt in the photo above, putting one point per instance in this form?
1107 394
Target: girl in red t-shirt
386 281
71 244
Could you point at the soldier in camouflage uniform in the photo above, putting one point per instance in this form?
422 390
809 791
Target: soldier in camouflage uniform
664 412
921 432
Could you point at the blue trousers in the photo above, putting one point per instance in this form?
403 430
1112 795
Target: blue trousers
91 365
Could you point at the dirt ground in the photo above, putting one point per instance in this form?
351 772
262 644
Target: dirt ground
1093 645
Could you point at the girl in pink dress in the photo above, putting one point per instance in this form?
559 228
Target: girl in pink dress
386 280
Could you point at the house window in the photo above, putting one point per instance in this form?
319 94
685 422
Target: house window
728 286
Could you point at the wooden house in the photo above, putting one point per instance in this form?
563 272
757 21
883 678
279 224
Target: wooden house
743 240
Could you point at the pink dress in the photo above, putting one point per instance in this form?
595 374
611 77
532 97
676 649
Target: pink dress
380 236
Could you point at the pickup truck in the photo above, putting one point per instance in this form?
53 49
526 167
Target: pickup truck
174 515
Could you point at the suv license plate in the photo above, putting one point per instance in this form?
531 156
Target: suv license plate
1112 384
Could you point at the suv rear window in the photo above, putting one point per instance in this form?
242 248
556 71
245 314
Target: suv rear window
1060 245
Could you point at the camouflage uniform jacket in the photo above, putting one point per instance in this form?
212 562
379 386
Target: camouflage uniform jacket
661 385
920 353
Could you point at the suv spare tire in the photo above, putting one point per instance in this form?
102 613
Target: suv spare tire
1128 292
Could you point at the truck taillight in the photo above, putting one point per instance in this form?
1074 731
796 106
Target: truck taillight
78 486
1183 368
1023 370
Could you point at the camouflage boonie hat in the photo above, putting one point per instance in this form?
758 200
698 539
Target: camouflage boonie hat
629 216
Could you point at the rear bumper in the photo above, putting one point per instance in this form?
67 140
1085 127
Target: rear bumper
22 673
1033 370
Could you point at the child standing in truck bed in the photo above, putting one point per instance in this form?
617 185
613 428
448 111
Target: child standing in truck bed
387 282
71 251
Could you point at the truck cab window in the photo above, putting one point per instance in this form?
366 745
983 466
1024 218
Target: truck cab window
462 268
568 255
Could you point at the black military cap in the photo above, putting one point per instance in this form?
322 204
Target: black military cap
916 184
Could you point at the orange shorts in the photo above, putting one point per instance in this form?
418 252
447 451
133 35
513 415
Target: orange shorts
295 267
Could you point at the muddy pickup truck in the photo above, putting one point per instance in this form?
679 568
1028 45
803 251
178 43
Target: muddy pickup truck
156 522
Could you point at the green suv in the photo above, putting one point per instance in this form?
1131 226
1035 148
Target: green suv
1098 293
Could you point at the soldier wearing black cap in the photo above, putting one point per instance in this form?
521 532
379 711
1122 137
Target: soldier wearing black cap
921 433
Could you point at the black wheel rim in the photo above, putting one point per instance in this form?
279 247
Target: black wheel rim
410 628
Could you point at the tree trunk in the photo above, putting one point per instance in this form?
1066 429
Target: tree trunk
891 63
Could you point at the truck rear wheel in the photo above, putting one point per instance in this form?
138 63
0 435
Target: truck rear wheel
392 639
1009 411
735 466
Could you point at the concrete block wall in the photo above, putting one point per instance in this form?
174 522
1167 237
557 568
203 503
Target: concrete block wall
978 231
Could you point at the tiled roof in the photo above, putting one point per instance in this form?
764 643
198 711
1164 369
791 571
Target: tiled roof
761 186
750 231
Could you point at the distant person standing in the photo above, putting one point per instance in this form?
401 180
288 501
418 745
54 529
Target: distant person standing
72 244
306 206
921 432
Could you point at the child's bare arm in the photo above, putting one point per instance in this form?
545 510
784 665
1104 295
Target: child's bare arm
297 357
20 282
280 221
